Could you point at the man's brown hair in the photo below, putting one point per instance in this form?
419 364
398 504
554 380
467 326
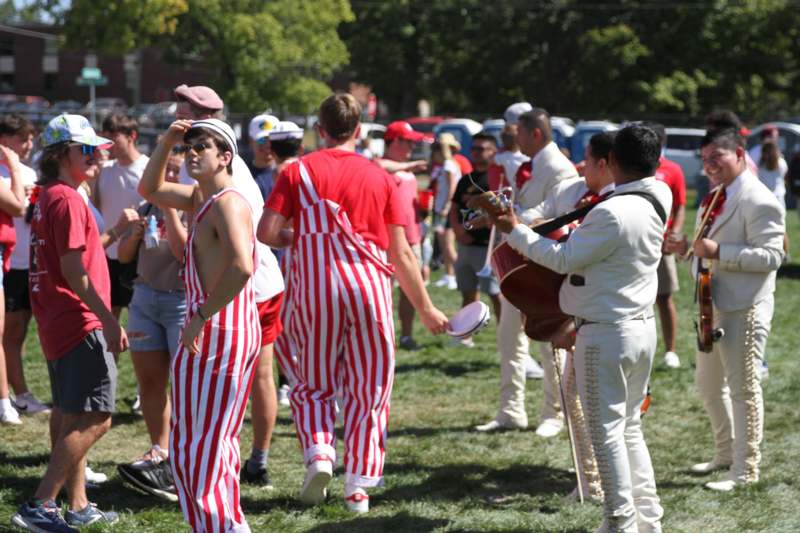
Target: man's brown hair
537 119
15 124
339 115
119 123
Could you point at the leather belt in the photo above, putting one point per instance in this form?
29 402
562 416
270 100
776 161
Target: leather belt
583 322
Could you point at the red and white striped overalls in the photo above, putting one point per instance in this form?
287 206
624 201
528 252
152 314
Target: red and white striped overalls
285 351
209 396
342 327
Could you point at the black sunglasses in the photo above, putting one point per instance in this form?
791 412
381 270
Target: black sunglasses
198 147
179 149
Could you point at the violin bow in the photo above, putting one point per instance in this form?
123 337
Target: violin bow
699 229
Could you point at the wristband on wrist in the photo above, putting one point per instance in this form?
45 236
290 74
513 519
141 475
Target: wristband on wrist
113 234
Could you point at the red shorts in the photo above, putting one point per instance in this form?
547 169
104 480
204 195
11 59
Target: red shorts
269 316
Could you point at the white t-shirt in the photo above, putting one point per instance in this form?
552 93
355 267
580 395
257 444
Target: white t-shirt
773 179
511 161
267 280
442 190
20 256
116 187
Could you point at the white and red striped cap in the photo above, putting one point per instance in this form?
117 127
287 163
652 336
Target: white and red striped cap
222 128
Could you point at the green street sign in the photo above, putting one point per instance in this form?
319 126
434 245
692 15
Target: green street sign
91 73
102 80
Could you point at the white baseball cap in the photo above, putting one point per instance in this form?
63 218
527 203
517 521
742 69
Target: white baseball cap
513 112
285 130
74 128
222 128
261 125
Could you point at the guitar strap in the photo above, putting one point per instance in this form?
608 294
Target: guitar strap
547 227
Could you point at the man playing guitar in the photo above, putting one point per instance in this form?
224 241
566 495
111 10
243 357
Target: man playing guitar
611 261
745 247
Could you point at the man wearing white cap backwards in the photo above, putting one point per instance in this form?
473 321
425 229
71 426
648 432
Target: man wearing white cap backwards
198 103
213 368
346 215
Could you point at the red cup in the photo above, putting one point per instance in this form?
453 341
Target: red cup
425 200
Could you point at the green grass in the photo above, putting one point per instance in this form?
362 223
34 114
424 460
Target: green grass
441 476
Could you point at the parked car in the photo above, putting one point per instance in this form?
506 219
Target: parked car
371 139
494 127
563 130
143 113
105 106
583 132
462 128
425 125
683 147
788 140
163 113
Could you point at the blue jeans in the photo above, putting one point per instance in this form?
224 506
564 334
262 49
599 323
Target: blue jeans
155 319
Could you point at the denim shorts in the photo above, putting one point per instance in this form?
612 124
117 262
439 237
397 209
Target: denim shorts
155 319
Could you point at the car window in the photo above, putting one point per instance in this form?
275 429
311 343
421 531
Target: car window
684 142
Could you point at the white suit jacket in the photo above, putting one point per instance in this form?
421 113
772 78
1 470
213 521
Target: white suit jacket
611 258
548 168
750 233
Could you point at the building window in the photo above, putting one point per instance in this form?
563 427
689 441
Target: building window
6 46
51 81
7 83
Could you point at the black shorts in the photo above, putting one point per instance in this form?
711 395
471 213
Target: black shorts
85 378
15 287
121 275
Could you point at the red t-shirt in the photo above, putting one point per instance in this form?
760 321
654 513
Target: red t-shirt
671 173
365 191
407 190
61 223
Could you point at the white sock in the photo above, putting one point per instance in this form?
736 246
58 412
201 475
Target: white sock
5 404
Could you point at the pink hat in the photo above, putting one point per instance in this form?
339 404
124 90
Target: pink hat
199 95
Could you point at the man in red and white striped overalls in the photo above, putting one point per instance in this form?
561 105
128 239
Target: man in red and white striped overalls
213 368
346 217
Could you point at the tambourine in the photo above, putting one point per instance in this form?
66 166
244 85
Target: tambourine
469 320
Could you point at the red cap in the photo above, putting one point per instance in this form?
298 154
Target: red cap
200 96
401 129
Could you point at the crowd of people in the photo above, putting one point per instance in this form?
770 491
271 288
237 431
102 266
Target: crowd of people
225 266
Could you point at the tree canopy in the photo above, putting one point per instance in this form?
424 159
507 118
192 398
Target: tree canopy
579 57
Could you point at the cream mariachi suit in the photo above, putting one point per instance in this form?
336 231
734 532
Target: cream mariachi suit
563 198
548 168
750 232
611 259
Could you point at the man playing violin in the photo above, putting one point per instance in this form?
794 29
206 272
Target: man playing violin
611 261
744 245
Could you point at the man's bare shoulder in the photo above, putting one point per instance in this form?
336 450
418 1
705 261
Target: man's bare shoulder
232 206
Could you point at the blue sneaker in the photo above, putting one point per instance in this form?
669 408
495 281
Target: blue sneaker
91 515
45 517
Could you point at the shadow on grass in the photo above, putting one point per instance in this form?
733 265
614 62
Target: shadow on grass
448 368
455 482
428 431
399 522
24 461
790 271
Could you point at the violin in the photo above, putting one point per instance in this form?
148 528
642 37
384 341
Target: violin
707 335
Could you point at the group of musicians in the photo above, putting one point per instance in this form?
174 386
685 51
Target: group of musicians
610 260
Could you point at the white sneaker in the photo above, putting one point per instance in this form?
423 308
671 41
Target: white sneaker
441 282
10 416
532 369
671 360
726 485
709 467
283 396
94 477
315 485
357 501
451 283
136 406
28 404
494 425
462 343
550 427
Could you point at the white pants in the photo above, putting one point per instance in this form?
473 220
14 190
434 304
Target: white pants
729 383
612 364
513 345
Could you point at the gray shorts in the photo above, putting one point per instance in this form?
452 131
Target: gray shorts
471 260
667 275
85 379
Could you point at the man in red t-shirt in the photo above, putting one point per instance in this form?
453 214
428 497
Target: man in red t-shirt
347 218
71 301
670 173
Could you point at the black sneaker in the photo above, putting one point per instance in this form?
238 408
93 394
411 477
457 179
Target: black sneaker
408 344
152 477
260 478
43 517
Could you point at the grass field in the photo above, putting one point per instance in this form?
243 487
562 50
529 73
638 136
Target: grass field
442 476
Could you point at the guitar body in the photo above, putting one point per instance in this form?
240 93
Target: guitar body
706 335
533 289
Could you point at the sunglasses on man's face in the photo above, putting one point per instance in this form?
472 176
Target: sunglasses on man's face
179 149
198 147
87 149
